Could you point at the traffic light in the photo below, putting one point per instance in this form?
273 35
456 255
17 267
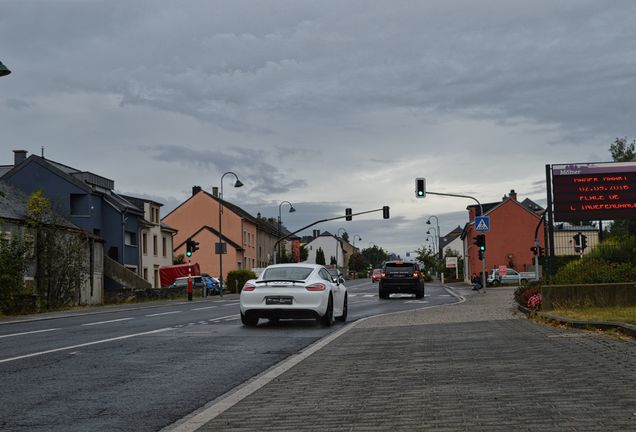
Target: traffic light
480 241
385 212
583 241
191 247
420 187
481 255
534 250
541 252
348 214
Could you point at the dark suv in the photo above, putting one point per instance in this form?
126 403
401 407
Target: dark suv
401 277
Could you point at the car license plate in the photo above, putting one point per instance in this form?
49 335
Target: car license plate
278 300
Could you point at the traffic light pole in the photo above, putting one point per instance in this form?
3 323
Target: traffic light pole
317 222
481 213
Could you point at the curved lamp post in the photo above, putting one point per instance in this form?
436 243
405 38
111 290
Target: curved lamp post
280 219
354 239
338 244
4 71
221 250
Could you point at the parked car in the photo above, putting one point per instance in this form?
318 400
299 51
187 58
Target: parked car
294 291
401 277
376 274
213 285
182 282
512 276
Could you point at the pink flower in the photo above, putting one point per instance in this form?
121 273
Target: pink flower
534 301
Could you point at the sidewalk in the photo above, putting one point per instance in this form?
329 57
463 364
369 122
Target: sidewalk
475 366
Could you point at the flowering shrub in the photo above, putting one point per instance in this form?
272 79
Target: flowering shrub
523 293
534 302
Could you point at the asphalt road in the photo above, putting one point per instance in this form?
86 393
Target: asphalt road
140 369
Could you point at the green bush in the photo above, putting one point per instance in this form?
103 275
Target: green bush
595 270
616 250
362 275
237 278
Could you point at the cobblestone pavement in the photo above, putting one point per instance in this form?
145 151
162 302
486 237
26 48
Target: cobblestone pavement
474 366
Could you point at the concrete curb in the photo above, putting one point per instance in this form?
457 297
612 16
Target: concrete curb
627 329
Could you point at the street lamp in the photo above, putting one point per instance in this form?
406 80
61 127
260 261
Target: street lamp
354 239
221 249
291 210
338 244
4 70
428 222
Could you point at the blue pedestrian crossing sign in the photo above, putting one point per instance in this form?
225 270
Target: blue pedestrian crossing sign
482 223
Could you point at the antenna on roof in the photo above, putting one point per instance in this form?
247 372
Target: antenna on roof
42 152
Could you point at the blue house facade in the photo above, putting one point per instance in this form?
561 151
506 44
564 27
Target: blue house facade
86 199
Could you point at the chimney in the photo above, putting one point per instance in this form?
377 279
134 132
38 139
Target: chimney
258 215
196 190
316 233
215 191
19 156
512 195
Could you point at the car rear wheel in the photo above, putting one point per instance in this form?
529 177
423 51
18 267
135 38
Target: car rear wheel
345 311
495 283
383 294
327 319
249 321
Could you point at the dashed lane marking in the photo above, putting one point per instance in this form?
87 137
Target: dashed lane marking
29 332
204 308
164 313
107 322
231 304
84 345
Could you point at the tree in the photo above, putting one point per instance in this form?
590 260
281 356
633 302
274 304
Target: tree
304 253
333 261
428 257
358 263
320 256
621 151
14 258
61 259
345 236
375 256
179 259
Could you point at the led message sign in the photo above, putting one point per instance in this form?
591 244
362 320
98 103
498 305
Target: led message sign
595 191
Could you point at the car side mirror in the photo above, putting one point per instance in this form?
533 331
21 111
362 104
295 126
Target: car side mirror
341 280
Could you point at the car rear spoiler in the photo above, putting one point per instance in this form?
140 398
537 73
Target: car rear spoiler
279 280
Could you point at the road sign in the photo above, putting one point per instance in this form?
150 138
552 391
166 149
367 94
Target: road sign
220 248
503 270
482 223
451 262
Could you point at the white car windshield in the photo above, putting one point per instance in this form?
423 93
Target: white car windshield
287 273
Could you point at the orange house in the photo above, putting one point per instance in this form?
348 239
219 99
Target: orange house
198 218
512 234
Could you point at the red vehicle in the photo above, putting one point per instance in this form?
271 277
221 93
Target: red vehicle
376 275
168 274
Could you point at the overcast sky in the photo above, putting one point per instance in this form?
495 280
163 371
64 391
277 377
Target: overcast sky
327 104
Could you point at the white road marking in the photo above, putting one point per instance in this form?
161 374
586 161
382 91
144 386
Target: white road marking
417 301
231 304
106 322
232 319
369 295
225 317
84 345
29 332
204 308
164 313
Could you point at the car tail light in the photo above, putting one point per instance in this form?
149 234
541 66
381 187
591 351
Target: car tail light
382 274
248 287
316 287
416 274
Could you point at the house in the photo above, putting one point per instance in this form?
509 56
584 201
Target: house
512 233
155 247
197 218
330 244
13 222
267 234
89 202
452 242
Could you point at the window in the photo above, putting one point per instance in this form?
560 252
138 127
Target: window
130 238
287 273
157 281
144 243
154 245
146 273
164 243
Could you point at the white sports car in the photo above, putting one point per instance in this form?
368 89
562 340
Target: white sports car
295 291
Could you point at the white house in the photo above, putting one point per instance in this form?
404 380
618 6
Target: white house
331 246
452 241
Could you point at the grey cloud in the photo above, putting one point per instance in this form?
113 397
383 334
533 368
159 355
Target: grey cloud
263 178
18 104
